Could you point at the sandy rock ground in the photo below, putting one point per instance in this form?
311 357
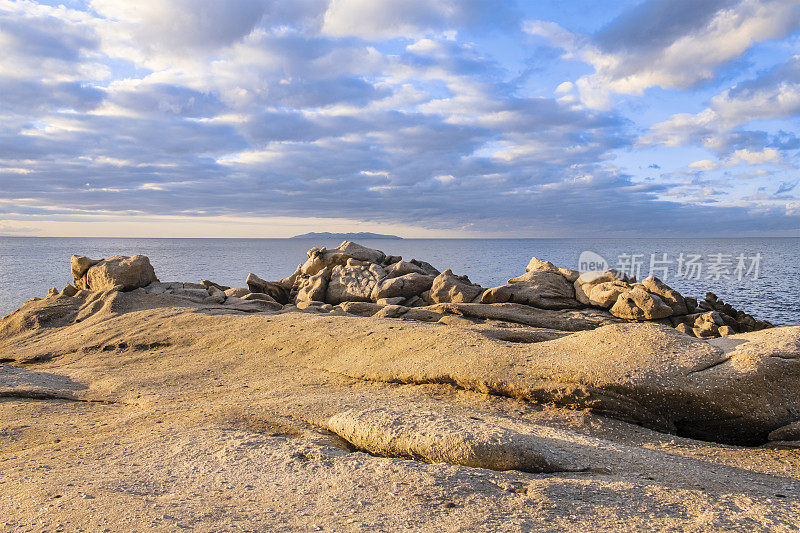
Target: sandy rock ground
157 416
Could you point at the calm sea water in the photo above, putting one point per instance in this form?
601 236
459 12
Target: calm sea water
29 266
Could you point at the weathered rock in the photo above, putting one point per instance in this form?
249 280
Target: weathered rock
404 286
586 282
52 292
313 288
353 282
434 438
544 289
258 296
447 287
69 290
238 292
360 308
390 301
427 268
216 295
79 264
401 268
638 304
564 320
670 296
788 432
208 284
276 290
605 294
117 272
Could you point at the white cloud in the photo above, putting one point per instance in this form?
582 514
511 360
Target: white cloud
631 56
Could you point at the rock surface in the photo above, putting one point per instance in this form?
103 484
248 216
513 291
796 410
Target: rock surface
158 407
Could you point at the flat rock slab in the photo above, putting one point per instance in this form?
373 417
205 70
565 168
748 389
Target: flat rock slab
435 438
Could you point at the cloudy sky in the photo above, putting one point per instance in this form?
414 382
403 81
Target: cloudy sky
458 118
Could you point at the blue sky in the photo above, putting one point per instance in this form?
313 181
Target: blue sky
472 118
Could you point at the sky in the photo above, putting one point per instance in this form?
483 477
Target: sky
421 118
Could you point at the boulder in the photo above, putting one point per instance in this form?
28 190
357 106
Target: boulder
638 304
401 268
447 287
545 289
404 286
239 292
314 287
208 284
670 296
79 264
605 294
319 258
69 290
353 282
116 273
434 437
275 289
427 268
586 282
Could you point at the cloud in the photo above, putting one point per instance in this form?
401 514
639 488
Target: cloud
787 186
387 19
775 94
380 111
669 43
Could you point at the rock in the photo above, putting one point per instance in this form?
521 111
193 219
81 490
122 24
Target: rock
724 331
353 282
392 259
390 301
686 330
436 438
586 282
69 290
415 301
706 325
117 272
788 432
352 250
216 296
544 289
391 311
258 296
670 296
427 268
314 287
79 264
208 284
447 287
238 292
252 305
563 320
276 290
401 268
605 294
405 286
538 265
360 308
638 304
52 292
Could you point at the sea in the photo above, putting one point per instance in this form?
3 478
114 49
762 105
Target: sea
757 275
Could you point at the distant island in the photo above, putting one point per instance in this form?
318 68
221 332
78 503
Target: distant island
345 236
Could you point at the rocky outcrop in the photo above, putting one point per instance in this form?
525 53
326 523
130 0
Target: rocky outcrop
330 280
115 273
